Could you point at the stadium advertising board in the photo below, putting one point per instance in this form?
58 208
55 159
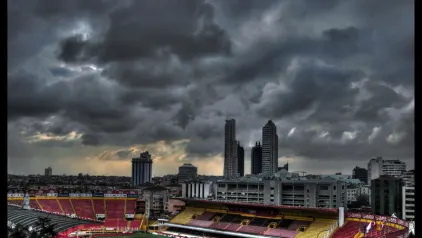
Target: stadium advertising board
74 195
132 195
100 215
63 195
51 194
85 195
113 195
130 216
377 218
98 195
15 195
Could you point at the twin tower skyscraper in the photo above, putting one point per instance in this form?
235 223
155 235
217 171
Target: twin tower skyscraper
231 151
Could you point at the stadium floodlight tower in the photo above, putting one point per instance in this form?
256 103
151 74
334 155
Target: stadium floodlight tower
26 202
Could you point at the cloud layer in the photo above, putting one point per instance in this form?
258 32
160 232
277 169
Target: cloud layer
92 85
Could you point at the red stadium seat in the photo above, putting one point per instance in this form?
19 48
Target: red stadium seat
83 208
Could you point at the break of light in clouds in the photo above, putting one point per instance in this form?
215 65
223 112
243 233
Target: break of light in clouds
91 85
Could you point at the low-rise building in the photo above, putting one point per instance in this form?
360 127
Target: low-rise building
325 193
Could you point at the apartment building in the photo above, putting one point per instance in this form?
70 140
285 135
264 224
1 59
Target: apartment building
408 200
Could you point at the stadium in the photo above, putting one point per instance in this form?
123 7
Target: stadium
117 213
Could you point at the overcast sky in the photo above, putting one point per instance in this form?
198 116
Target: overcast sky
91 84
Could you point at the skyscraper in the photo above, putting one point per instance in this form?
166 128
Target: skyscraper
142 169
269 149
256 159
48 171
240 160
230 149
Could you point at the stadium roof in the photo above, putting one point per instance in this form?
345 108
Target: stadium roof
315 209
18 215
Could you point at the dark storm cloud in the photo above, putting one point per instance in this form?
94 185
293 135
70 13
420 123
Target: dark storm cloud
312 83
339 72
142 29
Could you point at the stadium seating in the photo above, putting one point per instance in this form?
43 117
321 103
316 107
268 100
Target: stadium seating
280 233
186 215
50 205
200 223
67 207
220 225
259 230
99 206
350 229
114 223
207 216
115 209
316 229
233 227
294 225
34 204
16 202
130 206
83 208
135 224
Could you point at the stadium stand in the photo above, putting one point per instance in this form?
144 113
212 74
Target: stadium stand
50 205
187 215
66 206
200 223
350 229
115 209
99 206
130 206
317 228
207 216
83 207
34 204
18 215
16 202
280 233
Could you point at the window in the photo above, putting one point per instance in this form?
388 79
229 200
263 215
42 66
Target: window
307 190
334 187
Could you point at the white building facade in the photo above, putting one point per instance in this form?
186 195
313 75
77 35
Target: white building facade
378 167
408 203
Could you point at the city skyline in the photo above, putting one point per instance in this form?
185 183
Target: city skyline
91 86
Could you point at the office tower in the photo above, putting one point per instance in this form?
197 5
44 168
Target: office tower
48 171
374 169
386 196
142 169
378 167
361 174
393 167
240 160
230 149
269 149
187 172
256 159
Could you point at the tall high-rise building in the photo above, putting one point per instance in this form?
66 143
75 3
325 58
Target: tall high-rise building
48 171
142 169
269 149
230 149
187 172
240 160
256 159
361 174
